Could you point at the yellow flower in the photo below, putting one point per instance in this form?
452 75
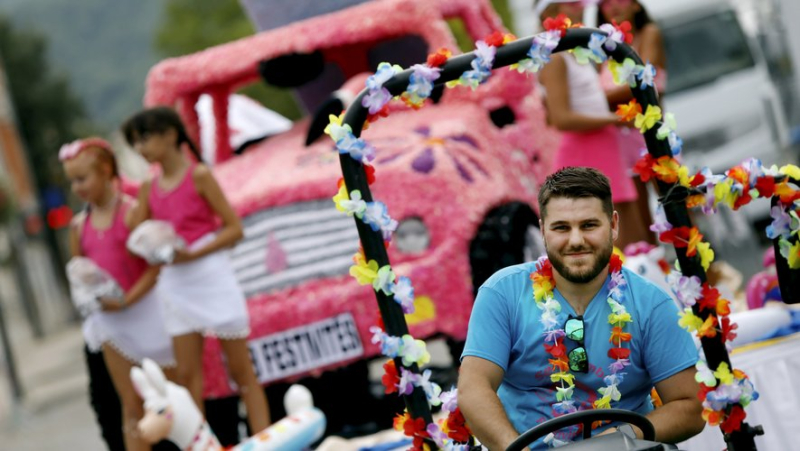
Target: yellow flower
724 374
791 170
335 129
689 320
542 287
340 196
723 193
648 120
569 378
794 256
603 403
614 318
365 273
706 254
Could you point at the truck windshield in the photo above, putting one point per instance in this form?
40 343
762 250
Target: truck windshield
702 50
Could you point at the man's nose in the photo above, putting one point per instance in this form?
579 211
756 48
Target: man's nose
576 237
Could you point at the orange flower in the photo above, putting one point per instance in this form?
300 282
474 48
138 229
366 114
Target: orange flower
709 327
618 336
559 364
400 421
629 111
723 307
695 200
787 193
439 58
666 169
695 237
644 167
713 417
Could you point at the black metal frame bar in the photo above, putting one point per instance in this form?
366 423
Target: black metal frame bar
676 211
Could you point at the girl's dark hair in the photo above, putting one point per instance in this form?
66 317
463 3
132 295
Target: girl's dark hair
640 19
157 120
576 183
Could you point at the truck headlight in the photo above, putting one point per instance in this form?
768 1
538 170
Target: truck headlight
411 236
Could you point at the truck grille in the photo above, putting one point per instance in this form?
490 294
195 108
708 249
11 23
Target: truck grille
285 246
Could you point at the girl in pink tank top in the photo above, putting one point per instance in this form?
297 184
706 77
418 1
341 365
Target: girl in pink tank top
199 289
576 105
128 329
648 43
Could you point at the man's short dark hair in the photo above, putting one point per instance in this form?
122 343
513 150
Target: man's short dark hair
576 183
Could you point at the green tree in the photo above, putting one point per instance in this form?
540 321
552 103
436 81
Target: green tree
189 26
47 111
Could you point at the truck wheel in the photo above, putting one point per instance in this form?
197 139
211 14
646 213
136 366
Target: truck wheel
509 235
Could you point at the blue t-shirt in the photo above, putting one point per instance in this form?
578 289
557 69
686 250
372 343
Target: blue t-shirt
504 328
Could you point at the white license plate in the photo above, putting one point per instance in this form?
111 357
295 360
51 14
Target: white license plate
298 350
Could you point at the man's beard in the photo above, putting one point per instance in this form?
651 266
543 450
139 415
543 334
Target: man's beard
602 257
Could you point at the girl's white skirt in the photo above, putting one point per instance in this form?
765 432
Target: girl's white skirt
203 296
136 332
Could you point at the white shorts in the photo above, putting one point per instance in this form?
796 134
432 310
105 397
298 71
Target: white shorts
203 296
136 332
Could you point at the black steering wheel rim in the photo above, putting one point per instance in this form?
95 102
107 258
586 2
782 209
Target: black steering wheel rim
586 418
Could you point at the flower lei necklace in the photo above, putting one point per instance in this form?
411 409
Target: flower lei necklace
543 287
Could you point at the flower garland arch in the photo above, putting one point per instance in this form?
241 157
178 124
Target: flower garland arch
724 390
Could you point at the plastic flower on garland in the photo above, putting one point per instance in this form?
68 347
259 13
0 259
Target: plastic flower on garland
335 129
377 217
439 58
594 52
629 111
540 52
559 24
431 389
687 289
378 96
647 76
414 351
365 272
405 386
660 223
624 73
384 280
667 131
354 206
358 149
390 378
481 66
420 84
648 120
704 374
404 294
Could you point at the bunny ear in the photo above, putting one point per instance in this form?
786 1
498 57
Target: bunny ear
156 376
141 383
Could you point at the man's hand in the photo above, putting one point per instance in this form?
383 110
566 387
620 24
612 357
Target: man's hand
636 430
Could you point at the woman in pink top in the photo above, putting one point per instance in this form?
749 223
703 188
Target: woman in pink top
648 43
576 105
199 290
128 329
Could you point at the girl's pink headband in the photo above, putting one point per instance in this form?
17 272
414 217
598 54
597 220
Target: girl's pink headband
73 149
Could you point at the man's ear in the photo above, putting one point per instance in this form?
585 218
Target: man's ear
615 225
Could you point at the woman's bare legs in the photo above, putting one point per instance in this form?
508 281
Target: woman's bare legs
188 350
240 368
119 368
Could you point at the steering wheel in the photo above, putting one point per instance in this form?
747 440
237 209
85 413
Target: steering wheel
586 418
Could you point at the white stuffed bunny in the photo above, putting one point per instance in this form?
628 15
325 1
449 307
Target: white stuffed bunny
170 413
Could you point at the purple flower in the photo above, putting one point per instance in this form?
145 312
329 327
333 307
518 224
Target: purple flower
781 223
376 99
619 365
407 382
404 294
661 224
436 434
449 400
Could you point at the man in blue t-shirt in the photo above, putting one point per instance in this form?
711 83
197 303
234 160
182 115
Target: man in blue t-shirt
504 386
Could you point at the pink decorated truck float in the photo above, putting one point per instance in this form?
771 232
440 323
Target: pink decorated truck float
484 150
